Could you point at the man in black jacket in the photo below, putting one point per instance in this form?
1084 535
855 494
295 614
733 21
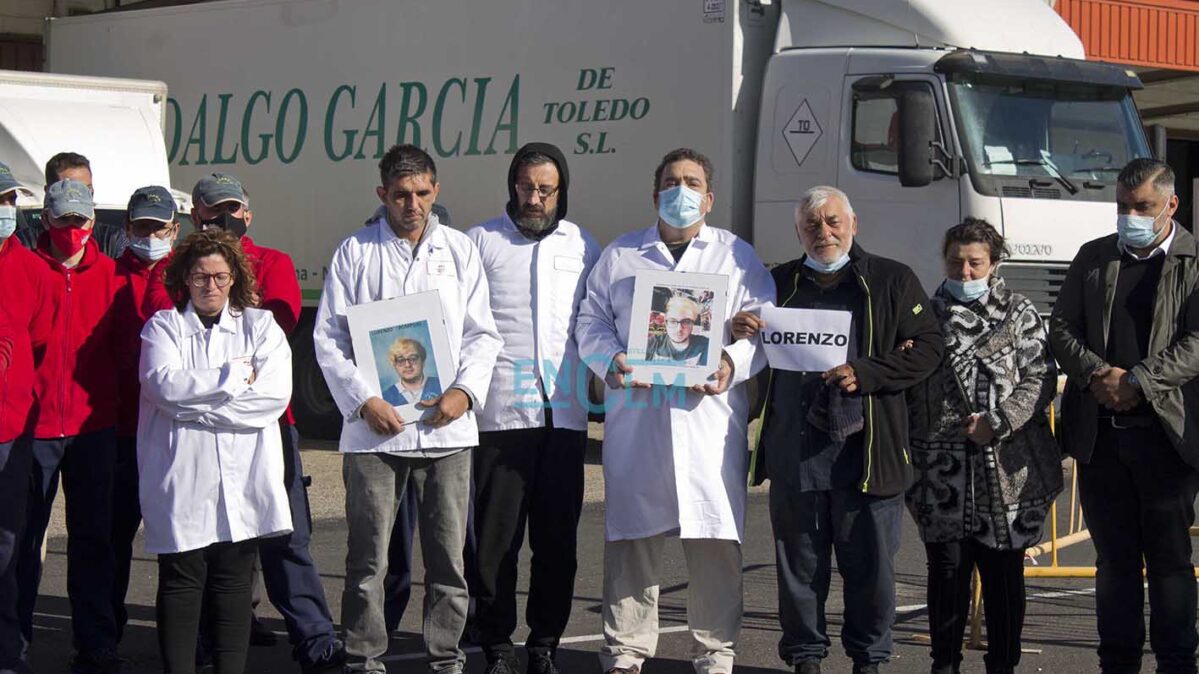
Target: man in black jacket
1125 329
834 443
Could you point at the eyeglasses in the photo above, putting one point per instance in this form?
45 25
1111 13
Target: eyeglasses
674 323
406 360
544 191
221 279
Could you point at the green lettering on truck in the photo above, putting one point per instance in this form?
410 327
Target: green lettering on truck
439 114
197 135
301 126
410 117
378 115
246 118
348 148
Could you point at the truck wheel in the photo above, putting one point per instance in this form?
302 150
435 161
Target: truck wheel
317 416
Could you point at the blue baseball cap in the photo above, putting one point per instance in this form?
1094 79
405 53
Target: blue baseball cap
219 188
8 183
70 197
152 203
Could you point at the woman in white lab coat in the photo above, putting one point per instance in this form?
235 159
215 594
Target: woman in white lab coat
216 376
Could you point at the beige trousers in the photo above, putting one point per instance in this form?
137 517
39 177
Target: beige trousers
632 570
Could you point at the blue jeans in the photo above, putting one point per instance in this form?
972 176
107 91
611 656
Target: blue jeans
85 463
864 532
292 581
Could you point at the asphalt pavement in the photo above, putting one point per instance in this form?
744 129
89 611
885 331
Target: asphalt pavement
1059 630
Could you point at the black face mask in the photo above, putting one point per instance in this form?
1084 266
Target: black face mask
228 222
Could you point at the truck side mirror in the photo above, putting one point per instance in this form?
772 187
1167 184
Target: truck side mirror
917 130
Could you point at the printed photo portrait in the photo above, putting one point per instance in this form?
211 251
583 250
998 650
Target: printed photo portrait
680 323
407 373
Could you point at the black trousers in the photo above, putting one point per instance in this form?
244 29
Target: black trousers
84 463
1138 497
16 460
533 475
126 519
219 579
950 567
863 531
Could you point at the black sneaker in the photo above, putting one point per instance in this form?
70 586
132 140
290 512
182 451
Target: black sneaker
807 667
100 662
868 668
333 663
500 666
541 663
260 634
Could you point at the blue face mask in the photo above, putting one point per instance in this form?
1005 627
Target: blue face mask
1138 231
967 291
8 221
680 207
150 248
811 262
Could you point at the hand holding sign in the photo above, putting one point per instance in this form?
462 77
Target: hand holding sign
805 340
746 325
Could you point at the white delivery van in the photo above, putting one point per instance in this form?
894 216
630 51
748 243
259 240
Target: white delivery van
924 111
116 123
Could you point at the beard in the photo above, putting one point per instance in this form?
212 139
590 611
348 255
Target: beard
535 219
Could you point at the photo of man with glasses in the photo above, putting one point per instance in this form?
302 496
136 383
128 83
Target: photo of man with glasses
678 343
408 357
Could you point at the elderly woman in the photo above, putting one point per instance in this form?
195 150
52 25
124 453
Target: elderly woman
987 467
215 375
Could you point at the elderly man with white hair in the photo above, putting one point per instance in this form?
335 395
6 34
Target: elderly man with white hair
834 444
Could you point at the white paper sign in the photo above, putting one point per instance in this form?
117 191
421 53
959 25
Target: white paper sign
805 340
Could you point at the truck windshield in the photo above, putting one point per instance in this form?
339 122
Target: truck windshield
1071 138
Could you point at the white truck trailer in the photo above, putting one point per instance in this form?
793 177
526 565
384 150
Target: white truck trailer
923 111
118 124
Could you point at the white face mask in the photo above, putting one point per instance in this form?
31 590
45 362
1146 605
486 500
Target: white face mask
1138 231
967 291
8 221
826 267
680 206
150 248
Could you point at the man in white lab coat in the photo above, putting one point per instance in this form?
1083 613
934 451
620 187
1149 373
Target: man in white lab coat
674 461
533 429
405 251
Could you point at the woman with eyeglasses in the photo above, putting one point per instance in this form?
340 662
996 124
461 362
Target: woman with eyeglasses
216 375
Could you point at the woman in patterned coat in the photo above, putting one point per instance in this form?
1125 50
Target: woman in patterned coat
987 467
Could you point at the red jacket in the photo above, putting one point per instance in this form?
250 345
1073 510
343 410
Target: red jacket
77 380
131 311
277 286
26 315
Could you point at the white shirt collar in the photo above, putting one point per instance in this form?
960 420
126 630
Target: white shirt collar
1161 249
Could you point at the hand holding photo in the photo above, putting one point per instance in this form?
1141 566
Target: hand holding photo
677 331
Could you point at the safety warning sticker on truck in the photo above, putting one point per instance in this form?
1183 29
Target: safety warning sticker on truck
802 132
713 11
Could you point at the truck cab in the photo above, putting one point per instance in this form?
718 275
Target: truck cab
932 114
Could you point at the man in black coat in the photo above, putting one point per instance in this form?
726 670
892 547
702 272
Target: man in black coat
834 443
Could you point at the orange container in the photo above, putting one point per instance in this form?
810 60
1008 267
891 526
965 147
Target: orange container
1154 33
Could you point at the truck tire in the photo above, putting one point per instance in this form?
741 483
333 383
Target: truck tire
317 416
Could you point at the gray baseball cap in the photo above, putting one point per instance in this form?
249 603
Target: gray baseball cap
70 197
8 183
152 203
219 188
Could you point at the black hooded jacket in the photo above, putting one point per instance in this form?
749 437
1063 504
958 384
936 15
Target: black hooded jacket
559 159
